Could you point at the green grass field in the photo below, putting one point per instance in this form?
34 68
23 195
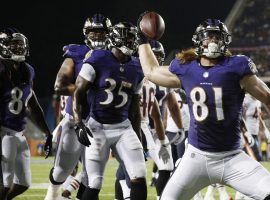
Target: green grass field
40 170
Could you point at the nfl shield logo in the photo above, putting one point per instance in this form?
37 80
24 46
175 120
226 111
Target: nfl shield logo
205 74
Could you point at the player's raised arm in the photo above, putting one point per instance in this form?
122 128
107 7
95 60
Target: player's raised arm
158 75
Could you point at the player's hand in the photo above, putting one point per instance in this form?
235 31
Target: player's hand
164 153
179 137
82 131
250 139
48 145
141 38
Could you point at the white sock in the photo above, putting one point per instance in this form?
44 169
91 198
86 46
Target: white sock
53 191
125 189
210 190
222 191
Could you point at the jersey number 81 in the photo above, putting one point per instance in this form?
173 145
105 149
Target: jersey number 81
198 97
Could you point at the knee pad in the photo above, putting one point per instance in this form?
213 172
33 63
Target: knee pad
95 182
60 175
52 180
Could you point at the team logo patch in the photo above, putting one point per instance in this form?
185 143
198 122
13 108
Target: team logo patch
87 55
252 66
205 74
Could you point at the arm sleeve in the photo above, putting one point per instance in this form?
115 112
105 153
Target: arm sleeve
88 72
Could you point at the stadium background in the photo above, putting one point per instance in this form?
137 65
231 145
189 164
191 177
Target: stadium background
51 25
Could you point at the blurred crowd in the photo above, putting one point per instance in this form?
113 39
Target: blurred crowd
253 28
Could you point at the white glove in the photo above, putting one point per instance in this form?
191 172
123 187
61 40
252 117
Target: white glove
164 152
179 137
250 139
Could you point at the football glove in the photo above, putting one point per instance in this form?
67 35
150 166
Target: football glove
48 145
163 152
82 131
249 138
179 137
141 38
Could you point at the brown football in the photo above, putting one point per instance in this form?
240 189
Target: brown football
152 25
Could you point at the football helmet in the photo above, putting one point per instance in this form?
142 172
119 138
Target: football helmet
95 30
206 31
123 37
13 45
158 50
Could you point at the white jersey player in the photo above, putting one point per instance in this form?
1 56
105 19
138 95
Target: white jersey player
158 151
252 115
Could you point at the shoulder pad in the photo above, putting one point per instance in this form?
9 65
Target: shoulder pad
75 51
98 55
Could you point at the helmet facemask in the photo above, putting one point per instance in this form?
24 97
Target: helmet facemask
95 31
19 47
14 47
96 39
211 39
123 37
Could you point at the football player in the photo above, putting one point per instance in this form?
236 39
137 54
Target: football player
166 100
69 148
157 144
252 115
113 79
17 99
215 83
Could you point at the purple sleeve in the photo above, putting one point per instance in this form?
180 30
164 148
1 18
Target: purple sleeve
248 67
75 51
177 68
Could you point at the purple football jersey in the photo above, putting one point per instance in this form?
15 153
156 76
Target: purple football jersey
14 98
77 53
113 88
215 101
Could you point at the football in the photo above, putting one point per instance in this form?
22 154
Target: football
152 25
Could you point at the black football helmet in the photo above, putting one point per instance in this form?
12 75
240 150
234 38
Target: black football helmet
158 50
13 45
123 37
208 29
95 30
